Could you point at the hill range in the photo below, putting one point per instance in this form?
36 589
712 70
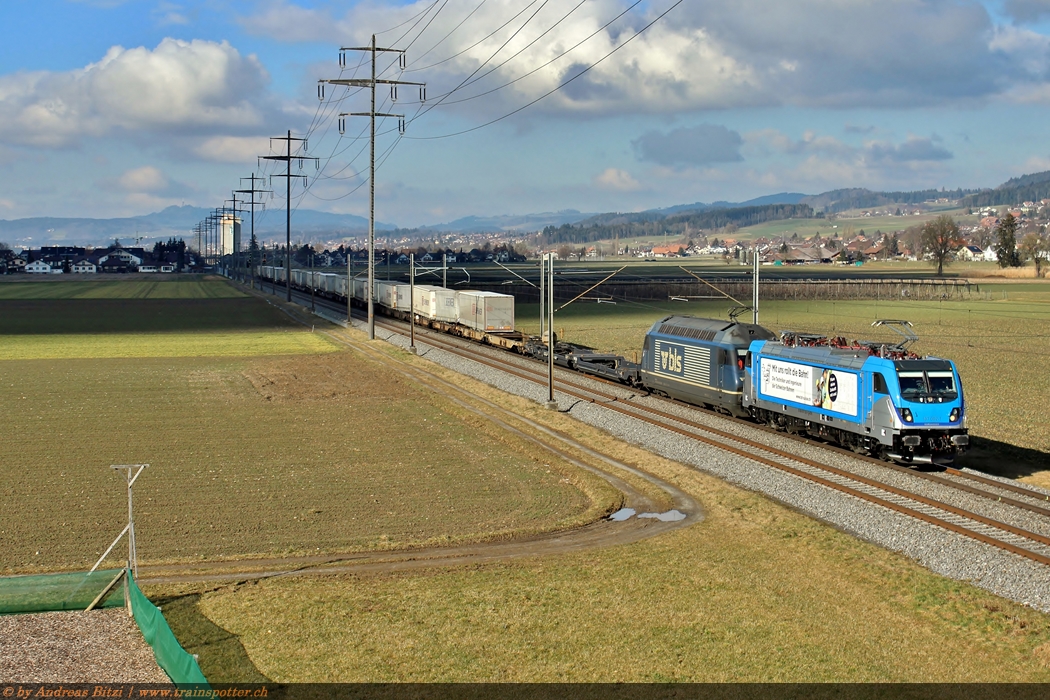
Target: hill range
179 221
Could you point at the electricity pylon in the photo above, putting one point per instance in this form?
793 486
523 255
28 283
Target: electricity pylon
372 114
288 176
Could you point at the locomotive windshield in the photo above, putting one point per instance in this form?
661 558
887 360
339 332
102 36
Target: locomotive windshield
927 386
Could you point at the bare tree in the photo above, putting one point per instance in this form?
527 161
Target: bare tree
940 240
983 237
1035 248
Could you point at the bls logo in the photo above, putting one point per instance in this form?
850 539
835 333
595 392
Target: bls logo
670 360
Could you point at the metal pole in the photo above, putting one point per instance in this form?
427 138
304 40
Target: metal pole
252 253
133 561
412 302
551 403
132 554
543 292
312 284
754 293
372 202
288 223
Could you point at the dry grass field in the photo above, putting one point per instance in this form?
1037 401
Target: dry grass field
314 447
263 438
754 592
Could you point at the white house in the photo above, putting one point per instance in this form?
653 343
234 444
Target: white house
39 267
84 267
123 255
971 252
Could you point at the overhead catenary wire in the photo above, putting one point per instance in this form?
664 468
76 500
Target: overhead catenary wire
555 89
425 109
540 67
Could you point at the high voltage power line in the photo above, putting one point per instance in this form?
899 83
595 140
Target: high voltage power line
324 116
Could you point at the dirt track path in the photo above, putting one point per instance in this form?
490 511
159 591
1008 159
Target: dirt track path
652 518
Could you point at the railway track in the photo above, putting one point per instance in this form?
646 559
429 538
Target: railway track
994 531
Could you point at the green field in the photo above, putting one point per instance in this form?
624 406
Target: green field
264 437
75 287
327 451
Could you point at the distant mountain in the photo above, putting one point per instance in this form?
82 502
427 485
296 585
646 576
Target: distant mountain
1027 188
177 222
1025 180
316 225
835 201
527 223
781 198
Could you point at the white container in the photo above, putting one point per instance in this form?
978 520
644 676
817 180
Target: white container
326 282
486 311
360 286
435 303
386 293
404 303
337 286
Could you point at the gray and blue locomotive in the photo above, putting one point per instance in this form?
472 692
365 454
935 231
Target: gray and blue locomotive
873 398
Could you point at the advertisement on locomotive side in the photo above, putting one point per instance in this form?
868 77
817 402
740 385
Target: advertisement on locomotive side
826 388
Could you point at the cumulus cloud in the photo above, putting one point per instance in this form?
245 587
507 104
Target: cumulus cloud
690 146
823 151
617 180
179 86
232 149
914 149
707 54
144 179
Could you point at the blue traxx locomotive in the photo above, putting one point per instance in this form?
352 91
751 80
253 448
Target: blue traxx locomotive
874 398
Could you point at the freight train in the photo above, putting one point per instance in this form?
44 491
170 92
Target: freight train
875 398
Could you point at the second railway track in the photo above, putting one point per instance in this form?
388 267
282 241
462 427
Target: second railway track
1000 529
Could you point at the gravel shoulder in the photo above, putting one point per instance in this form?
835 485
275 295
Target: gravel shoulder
101 646
942 552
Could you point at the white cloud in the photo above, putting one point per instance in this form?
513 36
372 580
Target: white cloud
706 54
617 180
179 86
144 179
232 149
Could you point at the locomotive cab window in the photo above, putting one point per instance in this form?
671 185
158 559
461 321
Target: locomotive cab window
879 383
927 387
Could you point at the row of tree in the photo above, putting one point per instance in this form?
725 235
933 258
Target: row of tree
940 241
681 225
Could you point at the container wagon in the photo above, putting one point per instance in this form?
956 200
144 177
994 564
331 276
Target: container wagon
486 311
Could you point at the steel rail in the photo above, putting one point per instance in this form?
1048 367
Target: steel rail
617 405
639 413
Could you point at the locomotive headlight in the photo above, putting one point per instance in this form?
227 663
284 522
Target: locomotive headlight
954 415
906 415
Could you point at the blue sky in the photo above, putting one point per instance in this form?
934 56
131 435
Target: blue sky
122 107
